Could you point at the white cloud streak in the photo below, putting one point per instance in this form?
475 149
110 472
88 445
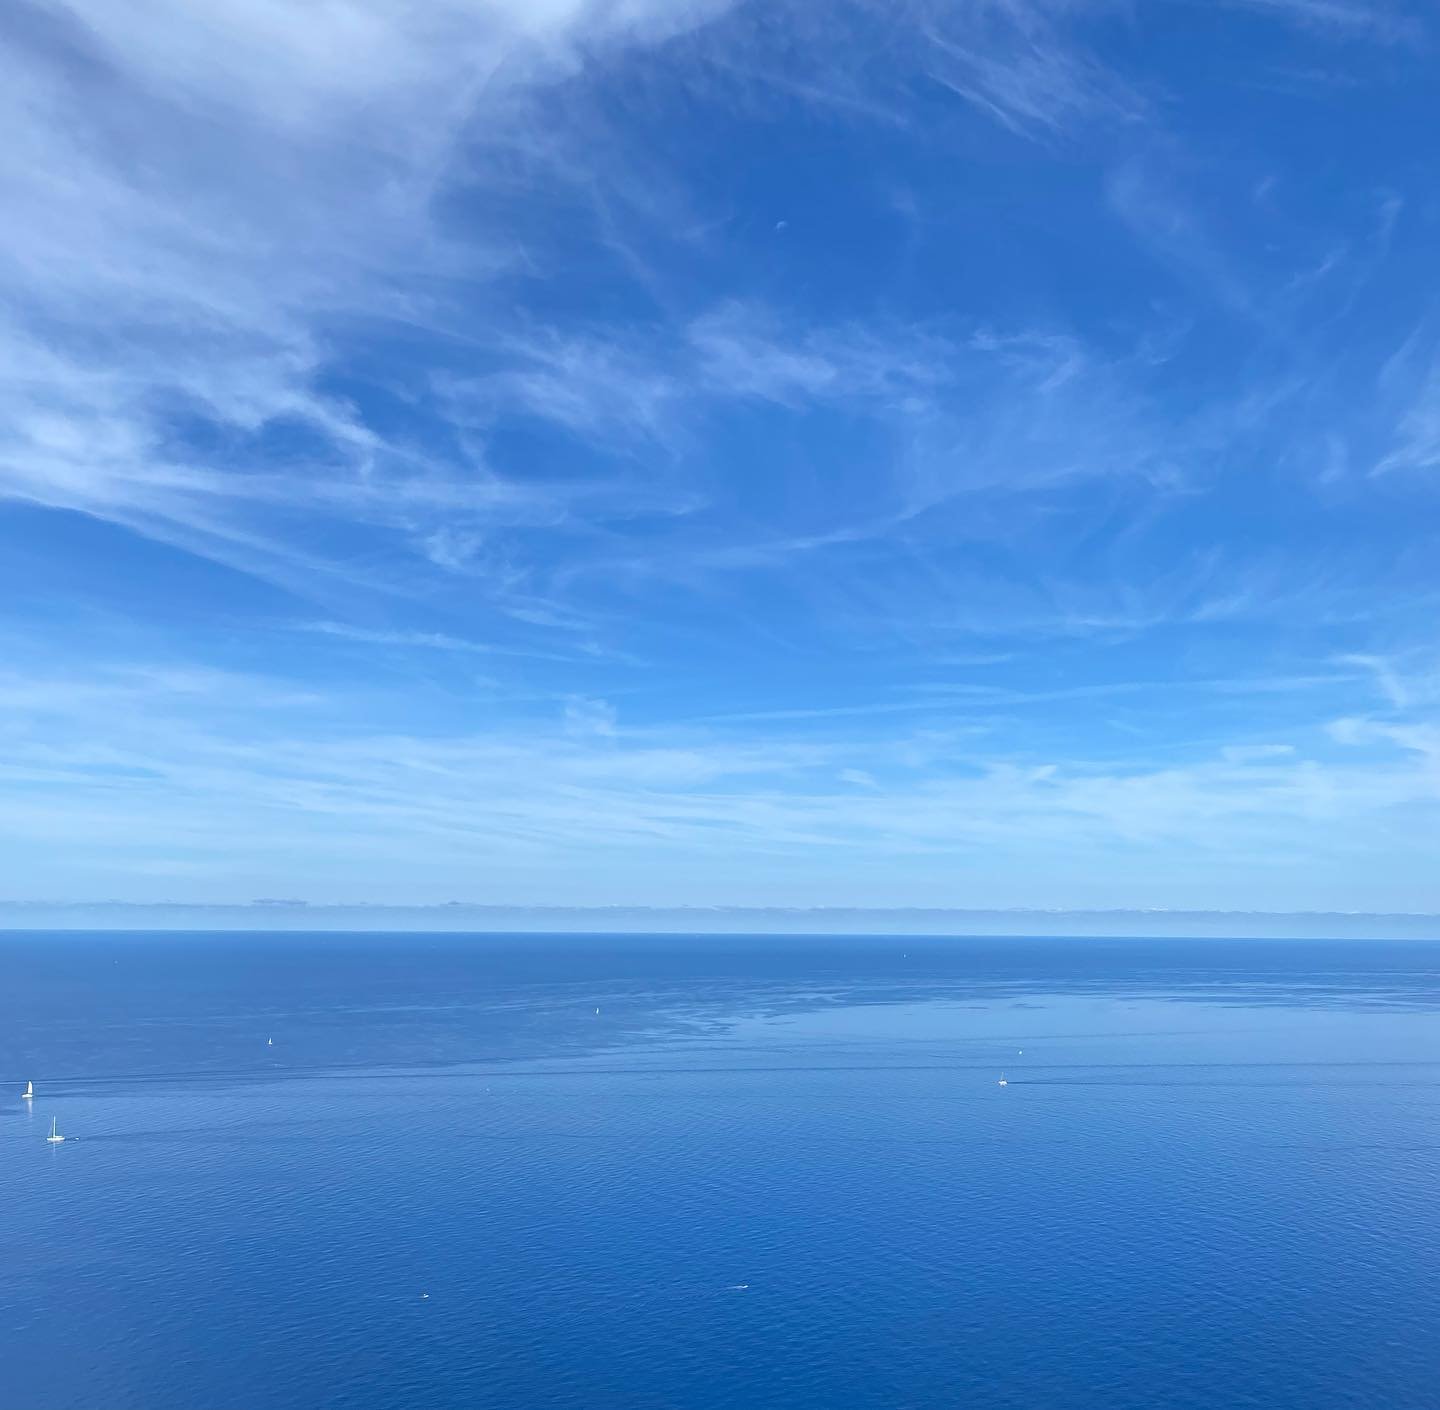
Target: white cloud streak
511 804
1343 19
214 213
196 202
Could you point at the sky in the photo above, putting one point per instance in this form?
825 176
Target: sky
644 452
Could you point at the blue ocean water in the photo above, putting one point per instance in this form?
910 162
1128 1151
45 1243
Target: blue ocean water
768 1173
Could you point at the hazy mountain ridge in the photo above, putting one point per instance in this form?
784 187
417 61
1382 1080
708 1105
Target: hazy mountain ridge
820 920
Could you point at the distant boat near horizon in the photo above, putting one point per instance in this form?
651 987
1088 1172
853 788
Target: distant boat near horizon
1002 1082
28 1095
54 1137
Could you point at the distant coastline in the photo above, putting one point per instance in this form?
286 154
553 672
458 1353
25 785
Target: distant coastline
288 915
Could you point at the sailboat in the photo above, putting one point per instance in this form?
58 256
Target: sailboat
54 1137
28 1095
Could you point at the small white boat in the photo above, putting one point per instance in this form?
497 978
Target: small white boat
54 1137
1002 1082
28 1095
269 1042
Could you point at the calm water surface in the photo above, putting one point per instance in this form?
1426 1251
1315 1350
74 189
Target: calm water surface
767 1173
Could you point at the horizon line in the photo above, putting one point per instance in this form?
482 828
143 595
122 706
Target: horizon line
479 918
269 906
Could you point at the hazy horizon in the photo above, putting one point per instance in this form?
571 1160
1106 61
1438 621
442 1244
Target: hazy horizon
700 921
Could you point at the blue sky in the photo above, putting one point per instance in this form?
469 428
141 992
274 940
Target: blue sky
971 454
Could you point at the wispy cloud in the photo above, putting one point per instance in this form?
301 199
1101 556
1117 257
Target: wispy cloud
748 351
936 396
1416 438
303 802
1028 67
239 187
625 385
233 189
171 348
408 640
1149 197
1380 20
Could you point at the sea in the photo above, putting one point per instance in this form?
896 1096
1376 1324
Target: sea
692 1172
